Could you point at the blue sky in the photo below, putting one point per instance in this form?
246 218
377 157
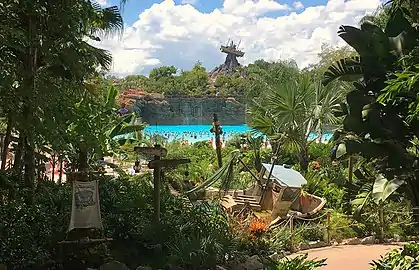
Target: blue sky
172 33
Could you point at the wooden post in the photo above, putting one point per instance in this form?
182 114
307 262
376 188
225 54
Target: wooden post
216 129
381 215
156 174
157 164
292 233
268 181
83 165
328 227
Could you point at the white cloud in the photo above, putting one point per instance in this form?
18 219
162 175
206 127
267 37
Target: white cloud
298 5
180 35
251 7
102 2
188 2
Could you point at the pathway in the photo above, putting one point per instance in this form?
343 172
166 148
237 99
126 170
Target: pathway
350 257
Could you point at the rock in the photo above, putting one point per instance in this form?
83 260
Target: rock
317 244
334 243
369 240
397 238
303 246
114 265
218 268
351 241
253 263
277 256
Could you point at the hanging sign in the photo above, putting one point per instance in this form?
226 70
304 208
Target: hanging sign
167 163
85 209
154 151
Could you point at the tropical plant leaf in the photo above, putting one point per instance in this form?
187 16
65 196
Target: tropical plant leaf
383 187
347 69
341 150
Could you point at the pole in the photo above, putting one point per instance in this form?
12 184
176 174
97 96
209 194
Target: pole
292 233
328 227
156 175
381 214
264 188
216 129
250 171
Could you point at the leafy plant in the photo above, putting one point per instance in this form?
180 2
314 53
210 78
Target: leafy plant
297 263
404 259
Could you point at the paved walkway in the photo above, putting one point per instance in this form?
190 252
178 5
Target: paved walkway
350 257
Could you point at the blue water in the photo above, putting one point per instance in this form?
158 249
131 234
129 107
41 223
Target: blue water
195 133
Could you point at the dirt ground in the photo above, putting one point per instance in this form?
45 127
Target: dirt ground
356 257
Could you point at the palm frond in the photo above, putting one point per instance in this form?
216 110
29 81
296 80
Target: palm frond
347 69
107 21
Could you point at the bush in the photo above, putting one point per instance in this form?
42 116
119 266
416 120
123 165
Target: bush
188 238
296 263
340 228
404 258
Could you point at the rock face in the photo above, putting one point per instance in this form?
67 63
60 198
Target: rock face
156 108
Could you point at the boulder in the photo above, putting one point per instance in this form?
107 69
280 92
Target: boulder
114 265
317 244
250 263
277 256
253 263
369 240
351 241
304 246
397 238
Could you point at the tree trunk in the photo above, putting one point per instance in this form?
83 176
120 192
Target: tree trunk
60 177
303 158
414 190
17 164
6 142
27 111
53 167
29 176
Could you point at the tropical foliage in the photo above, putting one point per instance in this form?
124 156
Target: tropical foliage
379 121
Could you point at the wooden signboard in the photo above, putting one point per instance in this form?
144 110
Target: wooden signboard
167 163
151 151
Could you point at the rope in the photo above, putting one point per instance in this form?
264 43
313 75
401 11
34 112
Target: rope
310 219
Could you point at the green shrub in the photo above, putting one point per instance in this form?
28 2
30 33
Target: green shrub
297 263
340 227
311 231
403 259
189 238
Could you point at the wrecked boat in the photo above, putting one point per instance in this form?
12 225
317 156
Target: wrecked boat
279 189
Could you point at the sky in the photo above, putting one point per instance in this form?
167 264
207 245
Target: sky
183 32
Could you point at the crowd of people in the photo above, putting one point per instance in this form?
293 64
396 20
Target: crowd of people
189 137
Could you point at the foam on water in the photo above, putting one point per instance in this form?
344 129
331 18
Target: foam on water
202 132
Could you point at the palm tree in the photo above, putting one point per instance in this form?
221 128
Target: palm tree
50 52
293 110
